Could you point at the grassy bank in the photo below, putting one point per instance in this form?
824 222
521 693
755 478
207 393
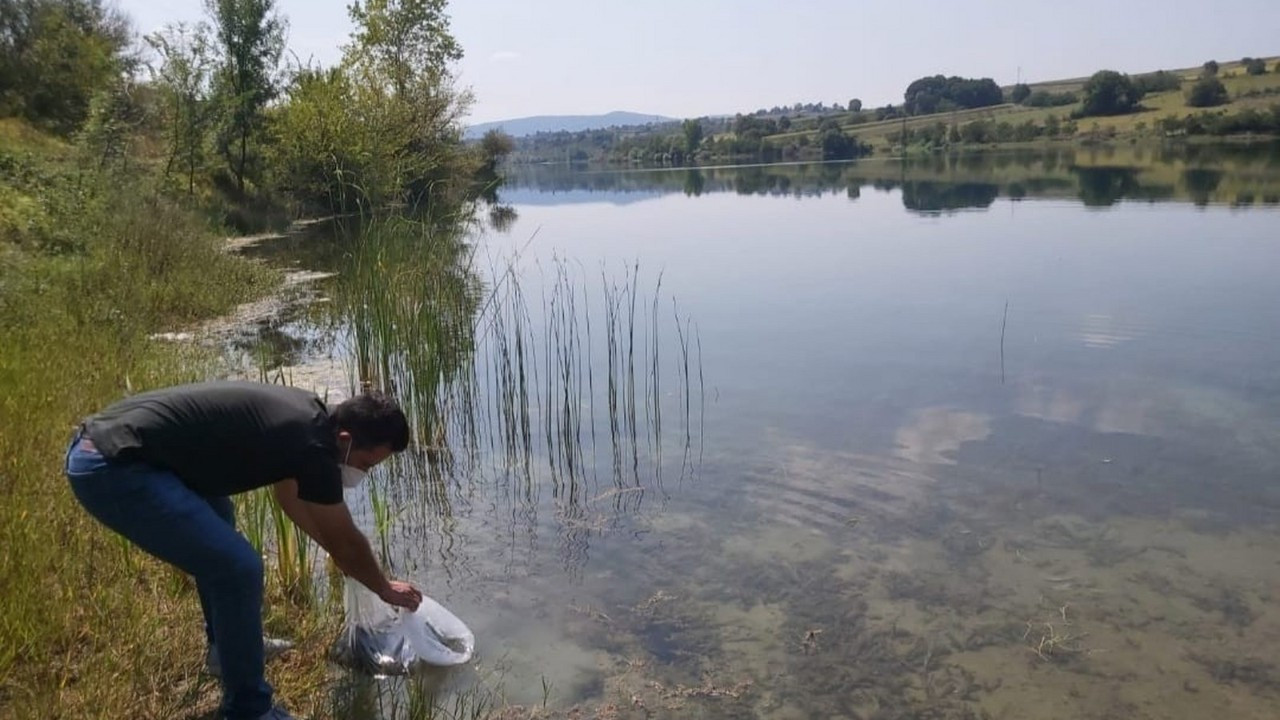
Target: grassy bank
90 265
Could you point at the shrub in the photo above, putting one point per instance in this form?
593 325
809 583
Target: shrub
1207 92
1044 98
1110 93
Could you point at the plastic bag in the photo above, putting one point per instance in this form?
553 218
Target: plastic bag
387 640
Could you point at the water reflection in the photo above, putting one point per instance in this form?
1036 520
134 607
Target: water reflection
884 525
1097 177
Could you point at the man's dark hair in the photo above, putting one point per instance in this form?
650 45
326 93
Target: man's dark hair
373 418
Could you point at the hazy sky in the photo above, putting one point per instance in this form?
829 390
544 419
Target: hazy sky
687 58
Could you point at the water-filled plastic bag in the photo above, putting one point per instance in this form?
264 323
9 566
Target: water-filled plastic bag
387 640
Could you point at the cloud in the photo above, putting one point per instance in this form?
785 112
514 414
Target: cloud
504 56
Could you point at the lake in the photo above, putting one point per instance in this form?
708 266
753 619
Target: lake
990 435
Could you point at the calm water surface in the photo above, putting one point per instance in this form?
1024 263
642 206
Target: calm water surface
957 439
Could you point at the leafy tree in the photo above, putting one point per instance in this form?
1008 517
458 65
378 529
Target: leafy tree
836 145
1020 92
112 123
406 41
1255 66
1211 67
496 144
54 56
933 94
183 79
784 123
398 104
251 36
1207 92
320 147
855 105
978 131
692 135
1110 93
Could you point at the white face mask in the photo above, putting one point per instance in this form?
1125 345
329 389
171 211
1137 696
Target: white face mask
351 476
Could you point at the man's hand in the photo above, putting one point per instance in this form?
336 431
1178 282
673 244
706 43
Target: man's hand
401 594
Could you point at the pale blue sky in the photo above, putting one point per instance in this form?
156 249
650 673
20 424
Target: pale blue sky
687 58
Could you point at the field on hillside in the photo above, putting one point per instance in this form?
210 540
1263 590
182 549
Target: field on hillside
1156 106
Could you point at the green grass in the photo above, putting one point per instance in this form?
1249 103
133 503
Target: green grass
110 263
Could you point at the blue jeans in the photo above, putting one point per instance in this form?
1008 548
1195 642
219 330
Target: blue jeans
153 509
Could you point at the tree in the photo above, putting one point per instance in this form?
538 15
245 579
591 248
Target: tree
1255 66
1020 92
112 123
183 79
54 56
251 36
855 105
494 146
1052 126
1110 93
933 94
1211 67
404 102
1207 92
405 40
692 135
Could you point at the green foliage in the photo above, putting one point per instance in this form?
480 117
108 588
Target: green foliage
838 145
54 55
251 39
114 117
494 146
75 316
1020 92
184 82
1207 92
403 42
1109 93
320 152
978 131
1211 67
1247 121
398 66
1254 66
935 94
1044 98
1159 81
855 105
383 127
692 135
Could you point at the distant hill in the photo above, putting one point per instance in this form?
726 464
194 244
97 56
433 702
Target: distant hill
520 127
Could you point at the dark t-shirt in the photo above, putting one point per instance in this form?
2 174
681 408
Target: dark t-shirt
223 438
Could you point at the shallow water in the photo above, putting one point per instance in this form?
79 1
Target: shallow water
982 437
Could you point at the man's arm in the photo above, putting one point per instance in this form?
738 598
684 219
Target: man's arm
333 528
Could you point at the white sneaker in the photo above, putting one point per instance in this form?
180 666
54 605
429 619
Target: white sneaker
277 713
271 648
